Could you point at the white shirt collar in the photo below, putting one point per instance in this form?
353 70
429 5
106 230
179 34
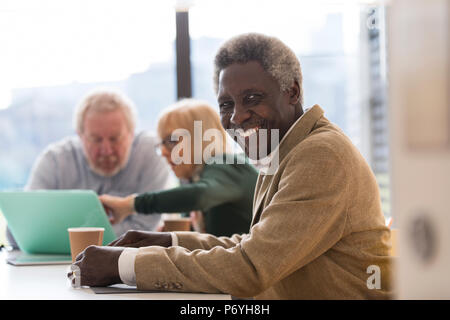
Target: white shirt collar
265 163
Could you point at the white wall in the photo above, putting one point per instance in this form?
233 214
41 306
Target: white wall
419 85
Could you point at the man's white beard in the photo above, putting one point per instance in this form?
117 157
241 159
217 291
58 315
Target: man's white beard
116 170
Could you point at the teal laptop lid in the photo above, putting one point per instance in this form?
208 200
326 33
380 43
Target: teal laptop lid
38 220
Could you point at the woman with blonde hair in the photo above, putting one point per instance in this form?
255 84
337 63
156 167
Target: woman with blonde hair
217 182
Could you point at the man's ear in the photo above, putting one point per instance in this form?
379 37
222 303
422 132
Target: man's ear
294 93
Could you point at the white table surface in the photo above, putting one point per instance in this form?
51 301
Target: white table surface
51 283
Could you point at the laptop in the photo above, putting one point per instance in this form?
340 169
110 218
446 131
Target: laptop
39 220
20 258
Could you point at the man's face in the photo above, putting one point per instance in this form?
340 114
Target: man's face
107 141
250 100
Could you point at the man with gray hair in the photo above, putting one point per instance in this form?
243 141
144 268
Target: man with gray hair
106 156
318 231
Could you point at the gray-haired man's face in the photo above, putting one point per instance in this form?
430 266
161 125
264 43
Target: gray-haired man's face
250 99
106 141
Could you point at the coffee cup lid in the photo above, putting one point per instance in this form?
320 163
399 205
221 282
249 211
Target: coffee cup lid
85 229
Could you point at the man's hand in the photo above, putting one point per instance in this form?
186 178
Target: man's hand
98 266
118 207
137 239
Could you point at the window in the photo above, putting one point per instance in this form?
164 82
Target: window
324 37
54 52
379 148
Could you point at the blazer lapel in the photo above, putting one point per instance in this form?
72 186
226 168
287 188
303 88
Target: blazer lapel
263 187
300 131
257 188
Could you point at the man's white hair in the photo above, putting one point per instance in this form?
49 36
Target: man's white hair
273 55
105 100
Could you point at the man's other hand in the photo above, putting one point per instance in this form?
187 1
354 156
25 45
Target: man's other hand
137 239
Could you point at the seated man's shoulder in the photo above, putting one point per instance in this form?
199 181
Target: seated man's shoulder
145 139
329 141
143 152
66 146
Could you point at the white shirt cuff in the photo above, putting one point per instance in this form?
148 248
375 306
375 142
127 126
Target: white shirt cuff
126 266
174 239
127 259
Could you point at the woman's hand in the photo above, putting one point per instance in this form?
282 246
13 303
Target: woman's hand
118 208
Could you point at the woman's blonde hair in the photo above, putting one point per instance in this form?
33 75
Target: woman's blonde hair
185 113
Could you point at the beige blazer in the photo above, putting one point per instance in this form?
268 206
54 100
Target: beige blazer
318 231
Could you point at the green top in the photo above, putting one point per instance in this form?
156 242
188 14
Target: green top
223 192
